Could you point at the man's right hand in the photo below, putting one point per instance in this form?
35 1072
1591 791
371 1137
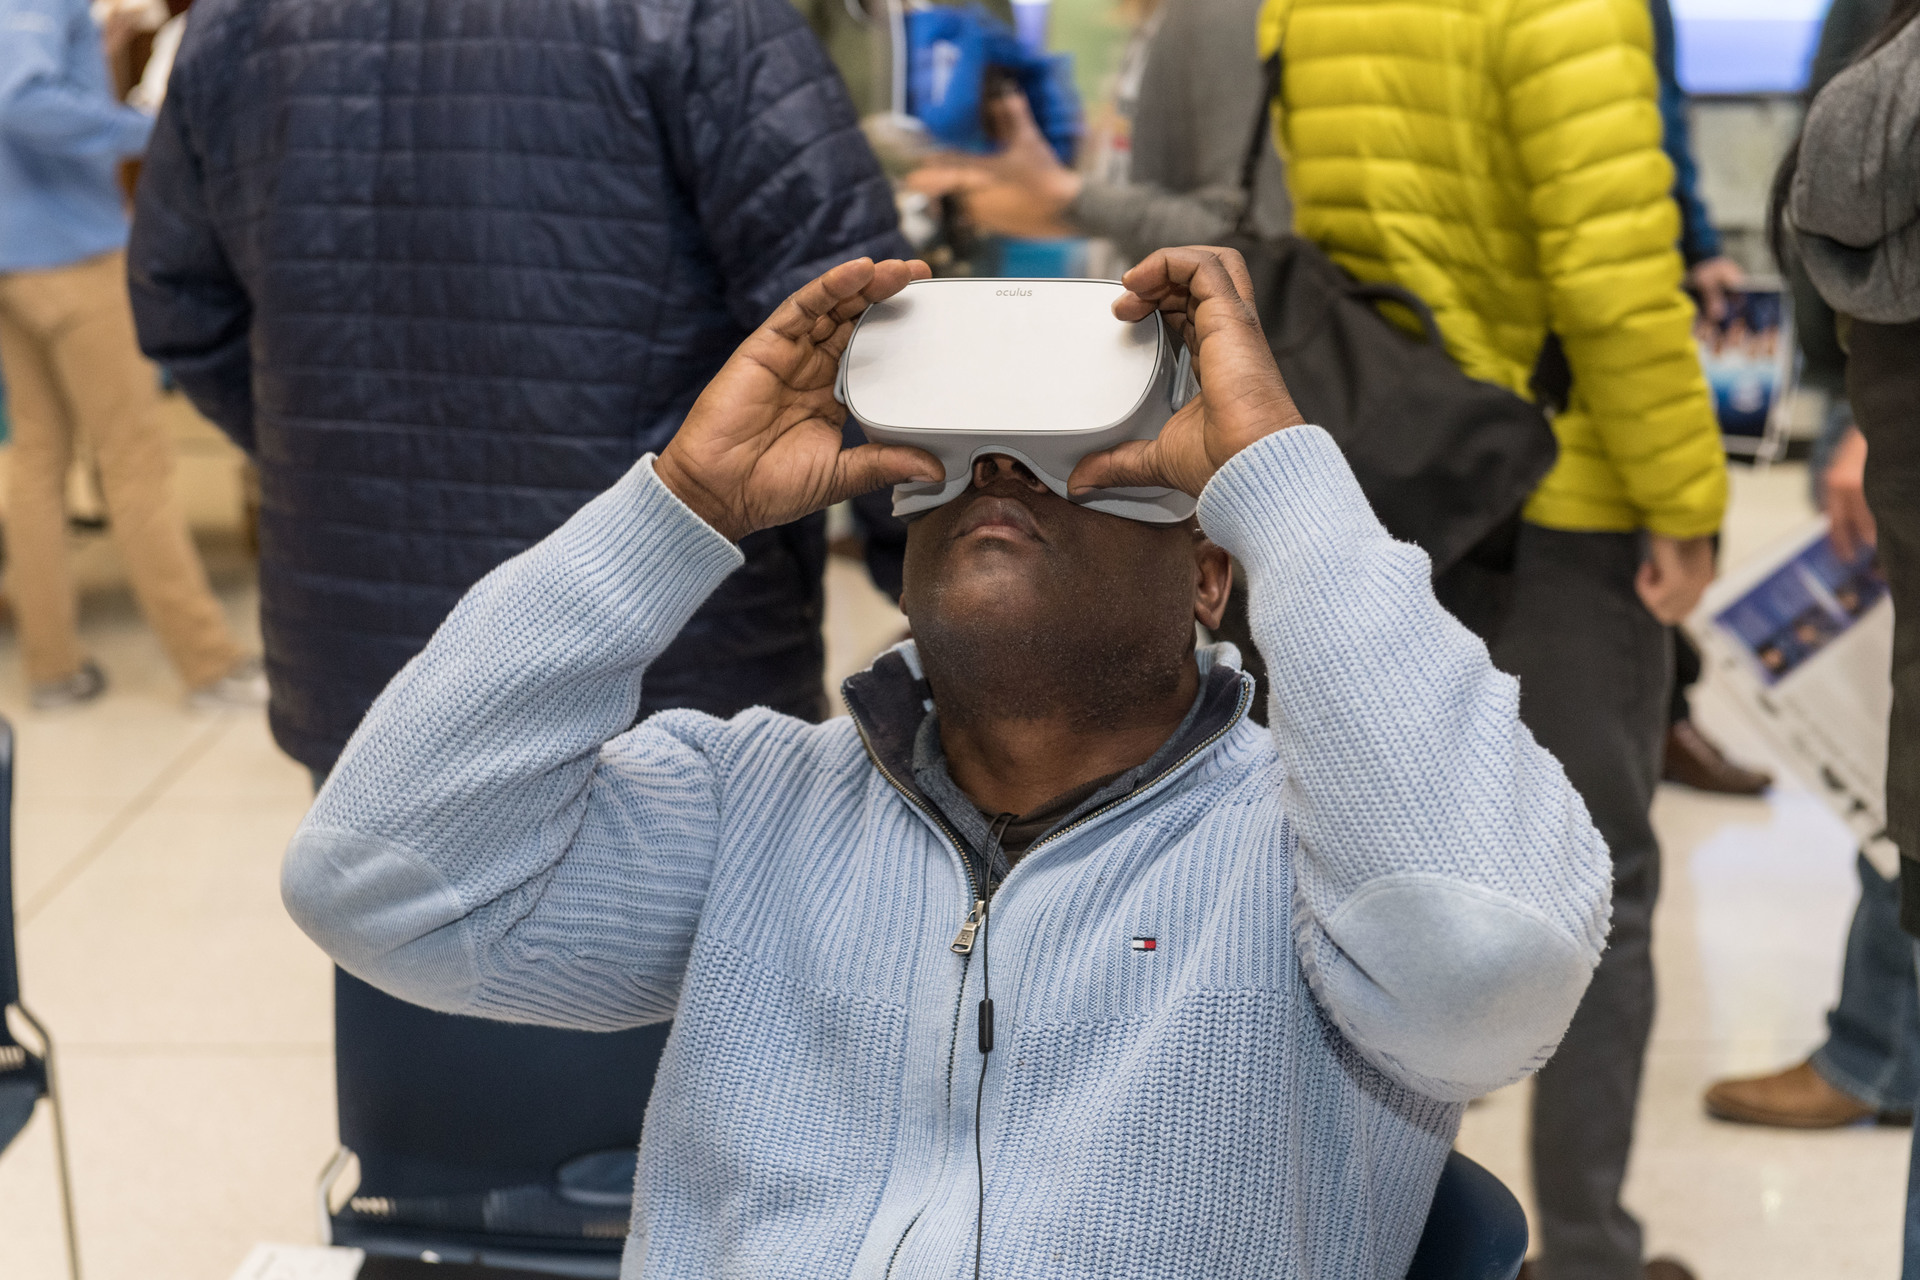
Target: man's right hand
761 446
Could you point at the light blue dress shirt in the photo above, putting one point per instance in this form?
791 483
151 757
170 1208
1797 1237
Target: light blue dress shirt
61 134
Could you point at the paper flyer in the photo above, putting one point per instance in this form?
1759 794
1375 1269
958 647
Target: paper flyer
1804 641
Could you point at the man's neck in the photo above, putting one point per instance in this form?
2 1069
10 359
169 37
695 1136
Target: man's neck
1013 765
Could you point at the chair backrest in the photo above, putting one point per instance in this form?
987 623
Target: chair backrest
1475 1229
475 1106
23 1076
485 1141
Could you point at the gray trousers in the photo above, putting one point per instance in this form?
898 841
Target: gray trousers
1594 669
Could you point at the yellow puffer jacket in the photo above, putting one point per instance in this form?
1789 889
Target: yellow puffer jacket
1501 158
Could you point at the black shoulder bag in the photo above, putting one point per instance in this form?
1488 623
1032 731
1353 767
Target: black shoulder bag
1446 460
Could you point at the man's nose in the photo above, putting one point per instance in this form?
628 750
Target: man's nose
998 466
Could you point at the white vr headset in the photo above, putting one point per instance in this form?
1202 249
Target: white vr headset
1038 370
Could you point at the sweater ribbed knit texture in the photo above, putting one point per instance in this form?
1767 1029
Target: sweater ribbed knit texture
1389 903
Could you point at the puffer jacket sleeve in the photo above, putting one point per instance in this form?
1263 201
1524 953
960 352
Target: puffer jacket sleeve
190 310
766 141
1582 102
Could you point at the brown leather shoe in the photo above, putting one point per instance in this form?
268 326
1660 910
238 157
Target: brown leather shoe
1658 1269
1797 1098
1693 761
1669 1269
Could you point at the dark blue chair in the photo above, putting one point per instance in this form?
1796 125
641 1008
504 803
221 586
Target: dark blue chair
1475 1230
26 1075
483 1143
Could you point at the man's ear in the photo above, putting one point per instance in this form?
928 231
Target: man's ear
1213 581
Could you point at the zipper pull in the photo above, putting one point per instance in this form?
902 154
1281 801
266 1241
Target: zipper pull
963 941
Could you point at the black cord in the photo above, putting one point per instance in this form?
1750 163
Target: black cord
980 1090
999 831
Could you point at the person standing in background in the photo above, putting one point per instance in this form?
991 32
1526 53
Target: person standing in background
1710 272
1869 1065
1165 166
1691 758
73 370
1850 191
1528 195
446 271
434 373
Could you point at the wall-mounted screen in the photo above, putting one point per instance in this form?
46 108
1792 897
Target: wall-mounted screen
1746 46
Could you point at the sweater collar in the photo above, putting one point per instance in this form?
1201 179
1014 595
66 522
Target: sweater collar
892 706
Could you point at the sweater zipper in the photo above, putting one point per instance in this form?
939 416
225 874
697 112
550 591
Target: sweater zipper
963 941
962 944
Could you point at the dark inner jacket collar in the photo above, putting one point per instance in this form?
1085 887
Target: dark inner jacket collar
892 706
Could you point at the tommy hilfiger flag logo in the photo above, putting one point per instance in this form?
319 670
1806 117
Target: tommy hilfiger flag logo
1146 944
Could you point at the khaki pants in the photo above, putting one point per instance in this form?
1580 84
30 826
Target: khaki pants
73 368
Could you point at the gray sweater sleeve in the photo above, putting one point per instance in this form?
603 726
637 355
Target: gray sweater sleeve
493 842
1200 100
1452 895
1140 217
1855 201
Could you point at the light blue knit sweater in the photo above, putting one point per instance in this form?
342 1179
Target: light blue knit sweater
1387 905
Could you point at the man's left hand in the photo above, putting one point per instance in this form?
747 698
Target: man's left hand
1207 296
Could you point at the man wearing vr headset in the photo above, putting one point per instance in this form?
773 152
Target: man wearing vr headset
1047 960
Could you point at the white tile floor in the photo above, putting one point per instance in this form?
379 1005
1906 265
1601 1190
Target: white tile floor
194 1018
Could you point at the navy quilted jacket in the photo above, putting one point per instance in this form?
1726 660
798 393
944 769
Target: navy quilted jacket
445 268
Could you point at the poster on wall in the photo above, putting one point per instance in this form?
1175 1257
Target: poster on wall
1748 356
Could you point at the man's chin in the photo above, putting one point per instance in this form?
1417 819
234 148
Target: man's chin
1002 594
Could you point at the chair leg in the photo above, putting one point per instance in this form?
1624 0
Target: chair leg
59 1140
323 1190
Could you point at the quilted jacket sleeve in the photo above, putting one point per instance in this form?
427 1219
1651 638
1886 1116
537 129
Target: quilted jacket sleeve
1582 102
765 140
190 309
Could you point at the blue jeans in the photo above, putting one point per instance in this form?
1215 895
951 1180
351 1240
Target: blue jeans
1872 1051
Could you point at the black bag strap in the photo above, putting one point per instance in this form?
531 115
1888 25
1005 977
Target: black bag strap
1379 291
1257 145
1259 142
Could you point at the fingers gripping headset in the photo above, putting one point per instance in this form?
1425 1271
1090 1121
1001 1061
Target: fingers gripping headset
1038 370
